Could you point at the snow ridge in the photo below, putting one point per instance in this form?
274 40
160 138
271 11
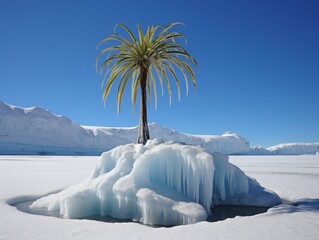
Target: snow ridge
294 148
37 131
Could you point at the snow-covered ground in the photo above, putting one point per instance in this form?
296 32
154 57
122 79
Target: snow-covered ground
294 178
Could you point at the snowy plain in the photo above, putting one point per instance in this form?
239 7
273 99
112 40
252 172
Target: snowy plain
293 178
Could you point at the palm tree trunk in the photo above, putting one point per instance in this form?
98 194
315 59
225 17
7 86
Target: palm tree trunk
143 132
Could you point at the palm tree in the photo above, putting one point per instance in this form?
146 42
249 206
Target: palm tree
151 57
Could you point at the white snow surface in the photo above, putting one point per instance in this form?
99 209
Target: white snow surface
294 178
37 131
158 184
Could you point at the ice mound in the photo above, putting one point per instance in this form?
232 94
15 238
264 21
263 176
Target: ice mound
158 184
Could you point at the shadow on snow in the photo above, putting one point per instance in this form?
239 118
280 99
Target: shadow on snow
302 205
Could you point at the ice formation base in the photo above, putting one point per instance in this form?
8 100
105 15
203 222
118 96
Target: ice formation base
158 184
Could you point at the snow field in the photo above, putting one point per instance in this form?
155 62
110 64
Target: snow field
28 177
292 177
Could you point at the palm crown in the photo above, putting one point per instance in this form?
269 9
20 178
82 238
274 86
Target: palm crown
152 56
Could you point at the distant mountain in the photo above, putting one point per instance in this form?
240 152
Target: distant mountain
294 149
287 149
35 130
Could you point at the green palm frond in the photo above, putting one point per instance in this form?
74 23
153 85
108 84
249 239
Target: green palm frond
157 54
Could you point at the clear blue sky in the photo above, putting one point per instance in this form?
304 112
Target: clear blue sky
258 64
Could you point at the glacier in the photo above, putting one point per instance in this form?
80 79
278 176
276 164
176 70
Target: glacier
161 183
